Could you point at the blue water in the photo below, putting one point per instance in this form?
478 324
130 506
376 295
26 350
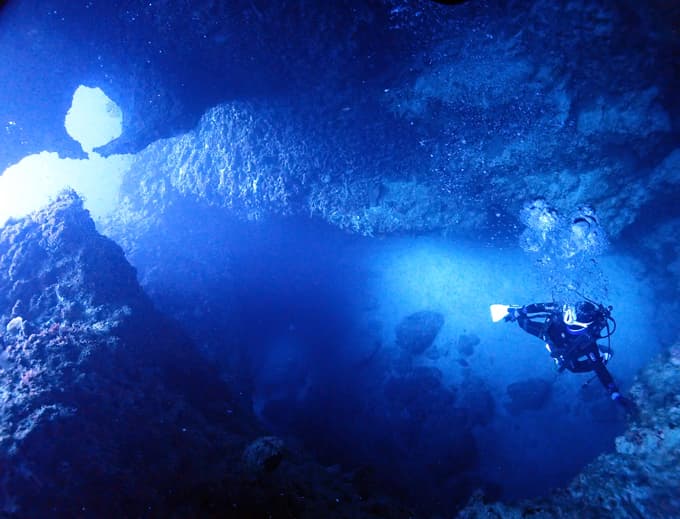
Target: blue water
300 316
303 317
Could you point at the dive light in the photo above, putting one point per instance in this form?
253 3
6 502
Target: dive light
499 312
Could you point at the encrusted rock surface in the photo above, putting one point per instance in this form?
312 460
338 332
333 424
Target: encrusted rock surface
639 479
98 391
264 454
489 109
240 157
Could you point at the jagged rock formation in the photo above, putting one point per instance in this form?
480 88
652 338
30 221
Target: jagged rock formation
107 409
240 157
99 392
639 479
503 145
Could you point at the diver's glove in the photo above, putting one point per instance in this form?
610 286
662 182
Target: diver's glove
513 313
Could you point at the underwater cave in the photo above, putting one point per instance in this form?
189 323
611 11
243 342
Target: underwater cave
268 260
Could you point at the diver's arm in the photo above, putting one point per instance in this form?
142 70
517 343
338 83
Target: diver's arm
536 318
536 308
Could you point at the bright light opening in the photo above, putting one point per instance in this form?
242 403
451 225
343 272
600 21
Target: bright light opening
93 119
32 182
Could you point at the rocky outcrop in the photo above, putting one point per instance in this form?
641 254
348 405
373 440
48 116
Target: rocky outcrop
462 144
263 455
639 479
466 344
99 392
241 157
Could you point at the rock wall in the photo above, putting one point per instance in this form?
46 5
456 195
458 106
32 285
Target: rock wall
495 109
639 479
410 117
95 383
167 62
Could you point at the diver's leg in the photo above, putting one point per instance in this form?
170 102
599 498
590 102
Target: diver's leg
604 376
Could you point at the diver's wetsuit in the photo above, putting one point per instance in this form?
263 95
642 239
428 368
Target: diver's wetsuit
579 353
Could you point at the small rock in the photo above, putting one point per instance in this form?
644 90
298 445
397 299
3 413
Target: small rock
16 326
263 455
467 343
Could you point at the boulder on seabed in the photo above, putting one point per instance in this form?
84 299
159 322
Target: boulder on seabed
417 332
263 455
467 343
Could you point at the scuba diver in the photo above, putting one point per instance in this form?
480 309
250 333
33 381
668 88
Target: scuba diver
571 332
